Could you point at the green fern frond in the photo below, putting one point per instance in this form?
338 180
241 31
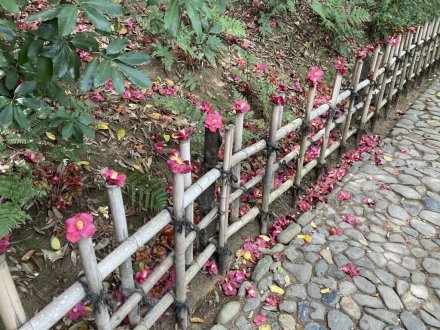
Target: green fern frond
19 191
11 216
165 54
232 26
145 192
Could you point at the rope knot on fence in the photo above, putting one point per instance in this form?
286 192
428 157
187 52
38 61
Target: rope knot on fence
147 301
305 128
271 147
228 176
97 299
224 251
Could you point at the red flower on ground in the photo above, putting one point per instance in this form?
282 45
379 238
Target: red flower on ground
211 267
350 269
352 220
97 97
334 231
142 275
315 76
183 134
250 292
33 157
361 54
242 106
304 206
114 178
77 312
206 107
4 244
79 226
176 164
368 201
159 147
340 65
277 99
393 41
213 121
370 48
412 29
259 319
344 196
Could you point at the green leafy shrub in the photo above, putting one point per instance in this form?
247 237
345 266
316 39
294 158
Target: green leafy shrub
343 18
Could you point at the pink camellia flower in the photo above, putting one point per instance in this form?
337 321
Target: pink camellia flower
296 86
211 267
370 48
242 106
229 289
213 121
176 164
361 54
272 299
250 292
261 66
368 201
393 41
4 244
304 206
412 29
183 134
350 269
159 147
79 226
206 107
334 231
384 186
77 312
344 196
352 220
278 99
128 94
142 275
85 56
114 178
97 97
33 157
109 85
259 319
315 76
340 66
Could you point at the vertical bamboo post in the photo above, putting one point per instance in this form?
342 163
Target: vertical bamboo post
179 252
383 84
302 150
225 196
185 152
377 60
121 234
422 50
409 77
351 107
330 114
403 75
269 173
236 169
425 52
94 280
397 66
434 47
11 309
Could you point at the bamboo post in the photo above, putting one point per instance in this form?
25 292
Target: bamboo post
94 280
377 60
425 52
185 152
422 50
414 58
408 51
435 46
179 251
328 124
236 169
11 309
397 66
302 151
432 46
351 107
121 234
269 173
224 199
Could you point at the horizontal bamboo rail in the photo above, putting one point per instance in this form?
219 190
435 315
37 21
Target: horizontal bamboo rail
393 70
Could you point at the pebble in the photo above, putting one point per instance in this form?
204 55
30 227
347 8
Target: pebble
292 253
252 303
303 310
262 268
350 307
432 217
410 302
432 266
339 321
367 301
314 291
302 272
432 204
411 322
288 306
418 278
401 287
330 299
321 267
327 256
287 322
219 327
364 285
289 233
383 315
355 253
370 323
243 324
296 291
423 228
405 191
397 270
429 319
346 288
314 326
318 312
390 297
228 312
419 291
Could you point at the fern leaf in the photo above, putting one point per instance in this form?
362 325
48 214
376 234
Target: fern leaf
11 216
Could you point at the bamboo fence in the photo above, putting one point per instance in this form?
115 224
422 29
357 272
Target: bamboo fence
391 73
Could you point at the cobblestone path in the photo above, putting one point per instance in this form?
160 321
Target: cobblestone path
396 248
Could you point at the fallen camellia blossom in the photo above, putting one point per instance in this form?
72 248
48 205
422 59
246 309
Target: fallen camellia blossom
315 76
278 99
352 220
77 312
176 163
4 244
340 66
250 292
334 231
344 196
350 269
368 201
79 226
114 178
259 319
211 266
183 134
213 121
242 106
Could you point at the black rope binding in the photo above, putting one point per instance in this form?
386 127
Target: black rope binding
223 251
305 128
228 176
321 168
245 190
267 216
179 224
388 72
283 166
353 93
147 301
332 113
270 147
374 84
97 299
180 306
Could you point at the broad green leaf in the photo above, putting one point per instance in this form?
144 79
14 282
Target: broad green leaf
25 88
118 80
11 78
216 29
98 19
103 73
85 41
7 116
105 6
67 131
137 77
48 30
3 61
116 46
58 93
134 58
7 30
10 6
32 103
194 17
67 17
74 66
60 61
35 49
88 131
86 81
20 118
44 70
44 15
22 56
172 17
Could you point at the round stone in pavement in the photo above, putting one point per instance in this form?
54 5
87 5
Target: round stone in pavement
423 228
339 321
432 266
364 285
228 311
411 322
